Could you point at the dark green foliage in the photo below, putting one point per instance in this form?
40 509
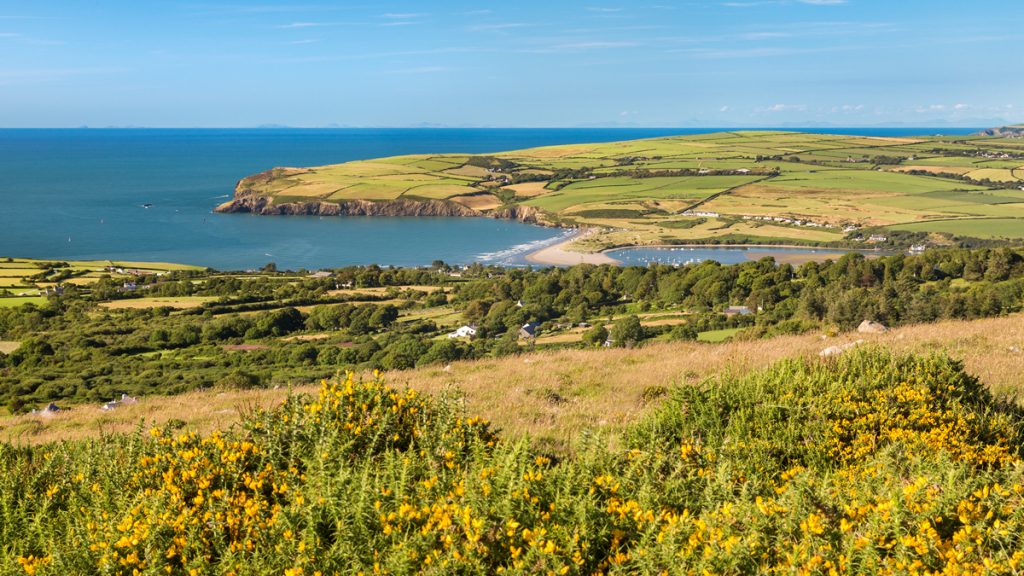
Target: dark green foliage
297 330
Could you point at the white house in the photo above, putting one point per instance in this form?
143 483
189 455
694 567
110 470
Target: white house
463 332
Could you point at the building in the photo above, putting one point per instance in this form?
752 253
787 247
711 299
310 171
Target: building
466 331
738 310
528 330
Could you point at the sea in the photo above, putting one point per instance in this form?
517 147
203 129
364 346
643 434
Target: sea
148 195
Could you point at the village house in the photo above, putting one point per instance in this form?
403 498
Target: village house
467 331
738 311
528 330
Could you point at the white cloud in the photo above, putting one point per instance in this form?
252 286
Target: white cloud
723 109
603 9
960 106
823 2
34 75
295 25
419 70
626 113
783 108
402 15
502 26
579 47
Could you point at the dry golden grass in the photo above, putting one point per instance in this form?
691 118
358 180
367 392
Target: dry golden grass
158 302
6 346
478 201
529 189
557 396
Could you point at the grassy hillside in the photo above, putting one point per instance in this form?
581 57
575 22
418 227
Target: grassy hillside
871 464
561 395
26 281
749 186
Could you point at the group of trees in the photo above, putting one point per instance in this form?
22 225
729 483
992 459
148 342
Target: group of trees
255 332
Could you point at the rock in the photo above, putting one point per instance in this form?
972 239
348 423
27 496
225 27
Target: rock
839 349
264 205
871 327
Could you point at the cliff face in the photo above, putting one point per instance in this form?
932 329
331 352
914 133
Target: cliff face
259 204
1016 131
262 205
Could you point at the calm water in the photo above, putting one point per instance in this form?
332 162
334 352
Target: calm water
79 194
726 255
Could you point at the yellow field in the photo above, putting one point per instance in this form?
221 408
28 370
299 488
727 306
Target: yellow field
478 201
181 302
7 346
529 189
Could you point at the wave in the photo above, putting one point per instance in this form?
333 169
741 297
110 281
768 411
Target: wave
508 255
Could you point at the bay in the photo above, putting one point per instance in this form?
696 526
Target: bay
83 194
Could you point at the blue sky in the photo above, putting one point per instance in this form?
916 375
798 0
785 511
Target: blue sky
523 63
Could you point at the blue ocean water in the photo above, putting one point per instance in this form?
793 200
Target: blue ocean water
80 194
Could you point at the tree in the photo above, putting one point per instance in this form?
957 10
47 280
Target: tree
627 331
383 316
595 335
239 380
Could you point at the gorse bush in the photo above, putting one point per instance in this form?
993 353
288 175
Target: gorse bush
868 464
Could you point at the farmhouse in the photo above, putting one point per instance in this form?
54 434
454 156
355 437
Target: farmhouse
528 330
466 331
738 311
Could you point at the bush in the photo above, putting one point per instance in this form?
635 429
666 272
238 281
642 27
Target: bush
867 464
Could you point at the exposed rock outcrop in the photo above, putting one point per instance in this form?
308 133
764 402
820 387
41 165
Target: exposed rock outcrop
871 327
245 202
1016 131
257 204
837 350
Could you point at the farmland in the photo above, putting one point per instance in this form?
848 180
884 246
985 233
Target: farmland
28 281
731 187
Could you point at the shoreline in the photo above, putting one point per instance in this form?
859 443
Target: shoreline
558 255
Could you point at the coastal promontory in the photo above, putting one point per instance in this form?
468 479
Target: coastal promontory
745 187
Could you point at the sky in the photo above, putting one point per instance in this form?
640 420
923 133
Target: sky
528 63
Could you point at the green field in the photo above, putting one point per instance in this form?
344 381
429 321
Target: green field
19 300
979 228
718 335
753 186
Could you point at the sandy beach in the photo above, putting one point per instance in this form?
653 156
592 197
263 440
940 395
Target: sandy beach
558 255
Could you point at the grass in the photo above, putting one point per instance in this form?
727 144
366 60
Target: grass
869 463
159 302
796 175
602 390
715 336
6 346
978 228
10 301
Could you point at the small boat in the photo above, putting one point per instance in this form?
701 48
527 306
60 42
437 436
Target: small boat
147 205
